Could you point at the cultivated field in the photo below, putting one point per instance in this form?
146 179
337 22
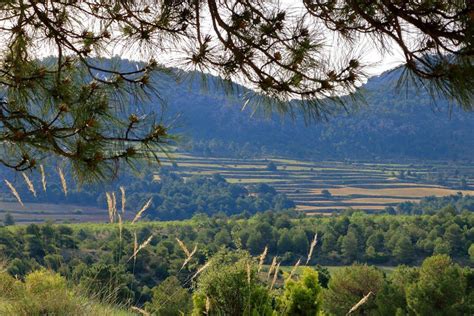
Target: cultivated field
359 185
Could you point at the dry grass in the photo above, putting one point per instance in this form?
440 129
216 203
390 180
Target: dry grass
189 254
14 192
110 206
63 180
204 267
136 249
262 258
143 209
29 184
405 192
311 248
272 267
275 275
295 267
379 200
43 178
360 303
124 199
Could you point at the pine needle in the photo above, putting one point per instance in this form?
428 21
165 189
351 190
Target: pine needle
311 248
262 258
295 267
360 303
140 212
29 184
14 192
124 199
43 178
275 275
63 180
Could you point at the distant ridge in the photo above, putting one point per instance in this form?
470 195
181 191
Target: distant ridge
393 124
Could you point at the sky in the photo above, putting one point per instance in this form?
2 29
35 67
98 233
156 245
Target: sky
377 62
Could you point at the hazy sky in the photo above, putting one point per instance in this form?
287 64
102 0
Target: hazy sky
369 54
378 62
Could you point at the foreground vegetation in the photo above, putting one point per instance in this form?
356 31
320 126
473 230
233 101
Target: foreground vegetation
232 283
138 264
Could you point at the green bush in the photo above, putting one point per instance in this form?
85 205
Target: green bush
230 286
350 284
44 293
302 297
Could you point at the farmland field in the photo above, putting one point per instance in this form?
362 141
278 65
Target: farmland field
317 187
360 185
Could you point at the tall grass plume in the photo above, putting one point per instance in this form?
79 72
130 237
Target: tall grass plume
295 267
63 180
275 275
140 247
272 266
262 258
143 209
43 177
14 192
360 303
29 184
124 199
311 248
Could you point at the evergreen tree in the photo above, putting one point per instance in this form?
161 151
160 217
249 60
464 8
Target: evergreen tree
8 220
73 106
403 251
284 242
349 285
440 289
350 246
300 242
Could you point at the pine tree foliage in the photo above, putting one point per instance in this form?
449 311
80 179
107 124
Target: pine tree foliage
81 107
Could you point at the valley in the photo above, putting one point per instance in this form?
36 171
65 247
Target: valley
316 187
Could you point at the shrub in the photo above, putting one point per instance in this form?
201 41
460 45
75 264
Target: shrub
45 293
170 298
231 287
350 284
302 297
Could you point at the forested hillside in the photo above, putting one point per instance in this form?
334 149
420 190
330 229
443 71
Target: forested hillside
393 124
